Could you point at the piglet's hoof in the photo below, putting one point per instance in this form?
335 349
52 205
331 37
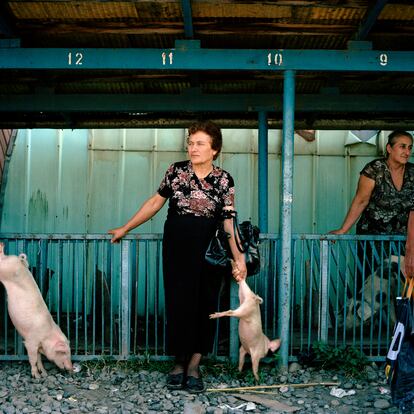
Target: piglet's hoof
36 375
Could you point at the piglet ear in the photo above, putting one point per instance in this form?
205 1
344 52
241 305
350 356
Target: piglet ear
259 300
61 346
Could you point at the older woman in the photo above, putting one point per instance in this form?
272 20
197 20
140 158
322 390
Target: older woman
385 193
198 192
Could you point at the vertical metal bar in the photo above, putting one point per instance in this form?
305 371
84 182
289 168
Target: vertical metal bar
135 293
324 298
302 274
338 290
69 289
364 309
93 293
164 317
188 18
59 280
21 248
369 19
104 320
285 266
85 295
234 323
262 286
28 180
310 293
125 317
157 291
110 272
272 272
76 272
292 304
147 296
381 302
263 173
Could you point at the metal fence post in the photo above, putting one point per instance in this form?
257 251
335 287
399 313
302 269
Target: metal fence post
285 264
263 173
323 292
21 248
125 305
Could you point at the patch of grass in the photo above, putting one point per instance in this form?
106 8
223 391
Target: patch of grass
344 358
216 368
229 371
100 363
225 369
141 363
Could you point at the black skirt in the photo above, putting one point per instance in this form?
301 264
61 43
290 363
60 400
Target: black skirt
191 285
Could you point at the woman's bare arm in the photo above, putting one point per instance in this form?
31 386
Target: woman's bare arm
359 203
150 207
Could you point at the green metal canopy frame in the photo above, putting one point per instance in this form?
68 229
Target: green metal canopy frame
189 56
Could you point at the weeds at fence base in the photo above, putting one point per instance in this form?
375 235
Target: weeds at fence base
348 359
220 369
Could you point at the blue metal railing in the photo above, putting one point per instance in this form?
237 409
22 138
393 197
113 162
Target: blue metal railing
108 299
343 293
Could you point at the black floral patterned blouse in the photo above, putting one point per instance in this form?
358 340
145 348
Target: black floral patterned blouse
199 197
388 209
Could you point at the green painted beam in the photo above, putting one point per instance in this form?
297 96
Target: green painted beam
370 18
190 58
198 102
188 18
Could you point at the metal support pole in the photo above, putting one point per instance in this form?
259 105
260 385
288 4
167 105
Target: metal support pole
263 173
125 301
285 264
21 248
323 296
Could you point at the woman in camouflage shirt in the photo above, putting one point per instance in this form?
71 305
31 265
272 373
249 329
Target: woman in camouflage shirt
385 191
384 198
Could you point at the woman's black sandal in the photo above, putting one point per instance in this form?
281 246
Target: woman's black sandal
175 381
195 385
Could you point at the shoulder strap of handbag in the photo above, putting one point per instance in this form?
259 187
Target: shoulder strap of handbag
408 288
236 229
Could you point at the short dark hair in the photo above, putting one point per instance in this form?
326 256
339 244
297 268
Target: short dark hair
212 130
396 134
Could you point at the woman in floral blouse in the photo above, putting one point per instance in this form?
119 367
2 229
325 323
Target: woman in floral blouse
198 192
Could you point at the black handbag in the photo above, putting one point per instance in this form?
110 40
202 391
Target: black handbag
247 241
400 358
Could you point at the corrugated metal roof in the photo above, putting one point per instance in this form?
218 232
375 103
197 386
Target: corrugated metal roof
224 24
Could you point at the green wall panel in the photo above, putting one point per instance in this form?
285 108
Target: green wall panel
64 181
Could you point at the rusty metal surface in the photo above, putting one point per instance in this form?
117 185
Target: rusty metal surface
288 24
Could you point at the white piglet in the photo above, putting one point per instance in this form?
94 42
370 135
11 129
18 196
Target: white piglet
31 317
253 340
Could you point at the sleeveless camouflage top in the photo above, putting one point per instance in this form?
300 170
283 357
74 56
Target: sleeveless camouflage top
388 209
